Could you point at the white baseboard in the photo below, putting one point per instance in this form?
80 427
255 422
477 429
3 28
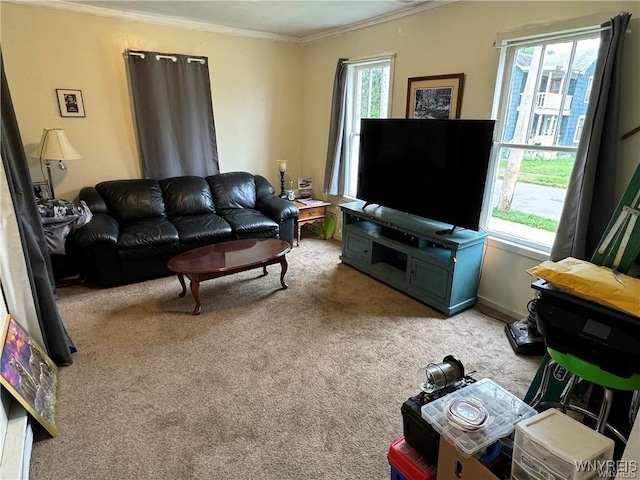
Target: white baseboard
500 308
18 441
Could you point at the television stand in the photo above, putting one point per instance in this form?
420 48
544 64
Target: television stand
410 254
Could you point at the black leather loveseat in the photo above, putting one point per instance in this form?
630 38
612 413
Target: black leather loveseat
139 224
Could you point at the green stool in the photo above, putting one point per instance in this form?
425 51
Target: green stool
583 370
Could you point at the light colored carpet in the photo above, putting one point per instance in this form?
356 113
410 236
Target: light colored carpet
304 383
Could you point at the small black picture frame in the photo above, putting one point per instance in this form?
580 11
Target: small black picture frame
70 102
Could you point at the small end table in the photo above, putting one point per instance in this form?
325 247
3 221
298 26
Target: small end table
310 214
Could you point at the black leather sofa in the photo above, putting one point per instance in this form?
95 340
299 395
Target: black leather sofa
139 224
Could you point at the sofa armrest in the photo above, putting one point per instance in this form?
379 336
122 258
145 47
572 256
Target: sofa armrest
102 228
277 208
93 199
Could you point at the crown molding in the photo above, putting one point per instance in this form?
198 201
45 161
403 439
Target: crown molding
208 27
387 17
153 19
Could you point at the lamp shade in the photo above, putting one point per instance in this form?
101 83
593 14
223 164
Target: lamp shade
55 145
282 165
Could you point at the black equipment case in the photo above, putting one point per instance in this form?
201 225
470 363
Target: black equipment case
417 431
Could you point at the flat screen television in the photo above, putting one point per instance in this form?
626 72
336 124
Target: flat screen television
430 168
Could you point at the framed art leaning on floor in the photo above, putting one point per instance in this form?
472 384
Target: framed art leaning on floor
29 374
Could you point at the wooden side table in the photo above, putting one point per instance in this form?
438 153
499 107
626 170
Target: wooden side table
310 214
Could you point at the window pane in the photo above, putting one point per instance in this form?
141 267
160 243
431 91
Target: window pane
547 90
544 108
373 89
369 90
354 153
529 193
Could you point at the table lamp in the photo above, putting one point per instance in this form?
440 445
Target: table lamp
54 145
282 167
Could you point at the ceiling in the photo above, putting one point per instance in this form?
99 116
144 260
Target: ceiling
299 19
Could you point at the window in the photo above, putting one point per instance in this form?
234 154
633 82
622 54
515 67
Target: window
579 125
537 133
368 96
587 92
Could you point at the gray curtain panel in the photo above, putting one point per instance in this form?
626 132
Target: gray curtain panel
173 109
590 201
57 342
334 181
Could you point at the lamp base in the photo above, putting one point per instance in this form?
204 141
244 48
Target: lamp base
48 164
282 194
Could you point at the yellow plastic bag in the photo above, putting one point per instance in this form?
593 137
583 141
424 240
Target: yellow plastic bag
592 282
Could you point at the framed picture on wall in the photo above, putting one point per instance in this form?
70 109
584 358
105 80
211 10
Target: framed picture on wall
70 103
438 96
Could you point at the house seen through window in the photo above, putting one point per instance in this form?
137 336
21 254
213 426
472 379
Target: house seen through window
368 96
540 112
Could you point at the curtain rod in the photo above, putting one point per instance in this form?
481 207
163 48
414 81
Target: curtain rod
550 36
169 57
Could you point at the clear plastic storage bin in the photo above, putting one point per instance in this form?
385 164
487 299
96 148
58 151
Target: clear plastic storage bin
504 411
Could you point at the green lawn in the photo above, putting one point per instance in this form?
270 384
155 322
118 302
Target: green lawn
552 173
528 219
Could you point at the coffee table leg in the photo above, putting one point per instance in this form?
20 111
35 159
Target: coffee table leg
264 270
184 287
195 291
283 264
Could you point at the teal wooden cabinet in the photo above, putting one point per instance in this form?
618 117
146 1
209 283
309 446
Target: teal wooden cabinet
413 255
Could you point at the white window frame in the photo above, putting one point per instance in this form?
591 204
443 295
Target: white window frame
579 127
587 93
352 122
500 103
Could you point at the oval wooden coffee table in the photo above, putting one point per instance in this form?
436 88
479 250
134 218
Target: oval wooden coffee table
220 259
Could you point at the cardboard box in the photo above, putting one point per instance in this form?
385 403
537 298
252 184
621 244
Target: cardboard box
452 465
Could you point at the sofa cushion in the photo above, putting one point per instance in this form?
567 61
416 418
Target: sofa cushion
196 229
187 195
150 231
248 221
233 190
131 200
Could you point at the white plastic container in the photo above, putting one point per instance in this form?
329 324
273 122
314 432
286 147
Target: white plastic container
551 444
504 411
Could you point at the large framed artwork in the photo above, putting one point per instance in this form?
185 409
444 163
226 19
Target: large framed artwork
28 373
438 96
